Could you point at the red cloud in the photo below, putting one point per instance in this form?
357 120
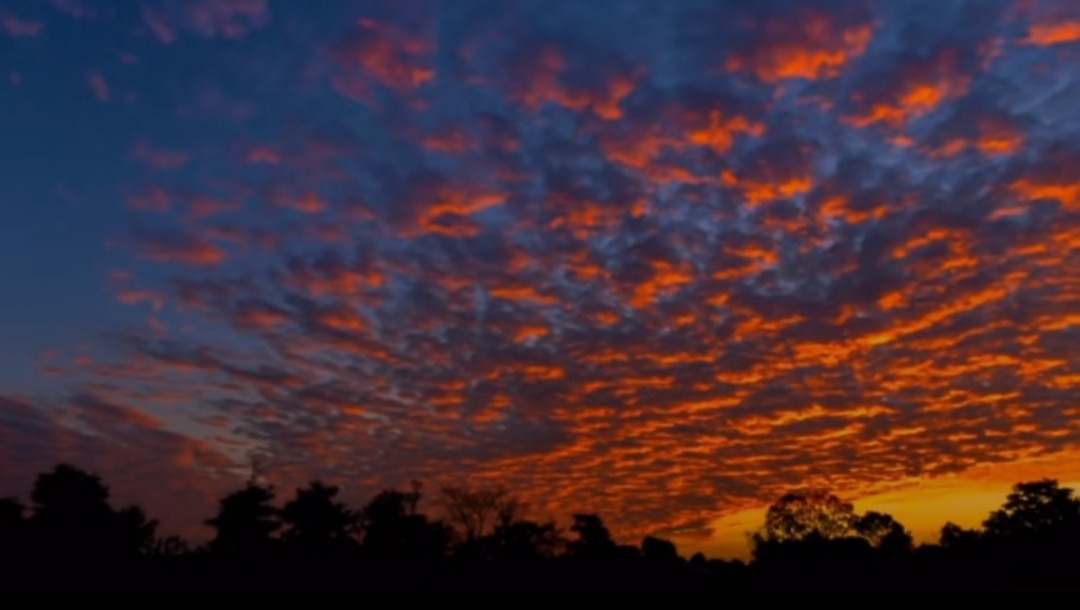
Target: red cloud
154 199
544 77
384 54
446 208
134 297
450 139
19 28
99 86
263 154
260 315
184 249
308 203
157 158
158 26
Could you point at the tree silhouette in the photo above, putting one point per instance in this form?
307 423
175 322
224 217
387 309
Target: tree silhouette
68 494
519 541
477 511
882 531
1036 507
134 531
245 523
73 538
797 516
956 538
394 530
593 537
316 523
659 551
170 546
72 517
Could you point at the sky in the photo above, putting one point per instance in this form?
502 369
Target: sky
663 261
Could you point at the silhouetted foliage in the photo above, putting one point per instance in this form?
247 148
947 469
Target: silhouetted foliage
72 538
315 523
658 550
817 513
72 518
1036 508
882 531
593 538
394 529
245 523
170 546
957 538
524 541
477 511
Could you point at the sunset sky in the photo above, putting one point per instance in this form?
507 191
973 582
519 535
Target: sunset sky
660 260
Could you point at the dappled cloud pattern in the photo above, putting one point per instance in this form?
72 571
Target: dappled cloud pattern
660 261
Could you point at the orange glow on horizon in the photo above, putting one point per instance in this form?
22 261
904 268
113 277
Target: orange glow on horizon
923 506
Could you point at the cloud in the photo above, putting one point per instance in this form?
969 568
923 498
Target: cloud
19 28
918 88
177 247
229 19
810 44
76 9
99 86
156 158
379 53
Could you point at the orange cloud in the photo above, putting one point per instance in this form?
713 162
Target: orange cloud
544 72
641 144
446 210
919 89
1068 194
810 46
1047 34
762 191
991 136
1052 178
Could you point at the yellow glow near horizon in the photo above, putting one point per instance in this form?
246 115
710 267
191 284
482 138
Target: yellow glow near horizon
923 506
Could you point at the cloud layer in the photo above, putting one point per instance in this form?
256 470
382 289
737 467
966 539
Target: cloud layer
656 260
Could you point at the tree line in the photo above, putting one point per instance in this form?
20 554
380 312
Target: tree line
72 538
